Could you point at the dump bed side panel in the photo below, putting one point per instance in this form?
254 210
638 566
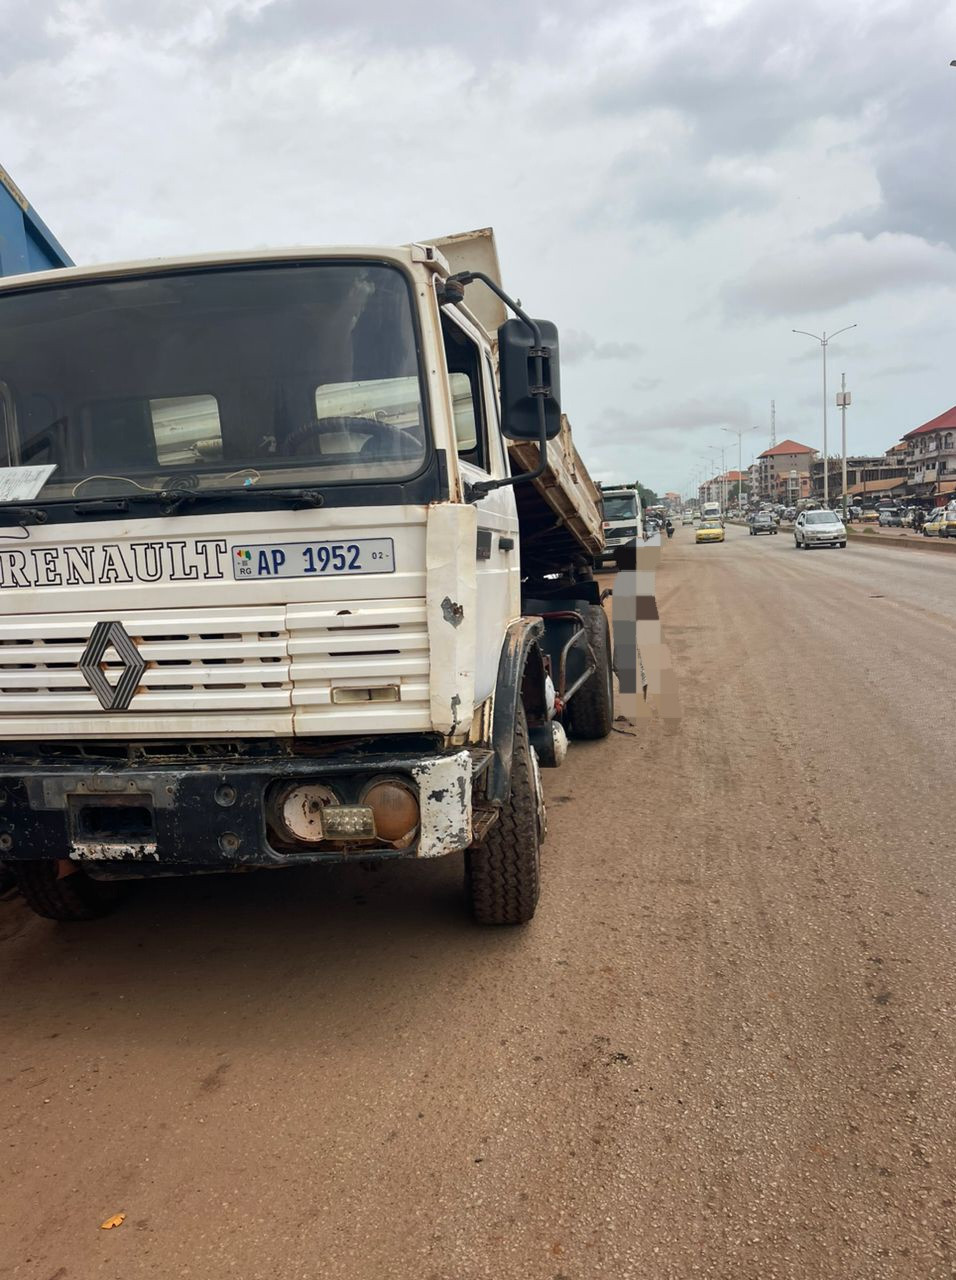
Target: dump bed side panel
560 513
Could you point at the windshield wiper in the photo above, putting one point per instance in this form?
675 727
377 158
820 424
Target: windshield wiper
25 515
172 501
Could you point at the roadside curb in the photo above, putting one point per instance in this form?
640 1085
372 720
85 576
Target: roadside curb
945 545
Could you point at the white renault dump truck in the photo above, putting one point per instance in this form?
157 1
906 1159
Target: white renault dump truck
274 589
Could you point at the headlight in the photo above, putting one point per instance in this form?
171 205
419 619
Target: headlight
394 803
298 810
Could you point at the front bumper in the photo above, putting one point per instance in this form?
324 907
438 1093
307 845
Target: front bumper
194 815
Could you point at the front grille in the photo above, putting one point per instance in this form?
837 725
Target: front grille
359 645
194 661
265 670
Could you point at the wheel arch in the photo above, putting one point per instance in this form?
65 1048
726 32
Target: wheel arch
521 680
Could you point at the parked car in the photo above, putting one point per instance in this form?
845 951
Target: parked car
819 529
763 522
709 531
933 525
869 515
948 529
890 520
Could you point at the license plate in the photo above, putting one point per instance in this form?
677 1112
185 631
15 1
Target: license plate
314 559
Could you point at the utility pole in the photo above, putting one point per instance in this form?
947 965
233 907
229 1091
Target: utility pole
843 400
773 424
824 340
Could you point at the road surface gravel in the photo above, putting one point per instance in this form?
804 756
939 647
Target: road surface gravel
724 1048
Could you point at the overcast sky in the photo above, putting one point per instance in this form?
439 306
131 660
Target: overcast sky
677 185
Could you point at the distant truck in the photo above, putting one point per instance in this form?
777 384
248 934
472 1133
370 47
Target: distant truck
710 511
623 520
298 569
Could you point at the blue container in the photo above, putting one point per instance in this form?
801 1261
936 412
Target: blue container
26 243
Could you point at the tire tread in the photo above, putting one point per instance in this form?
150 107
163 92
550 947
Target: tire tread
502 875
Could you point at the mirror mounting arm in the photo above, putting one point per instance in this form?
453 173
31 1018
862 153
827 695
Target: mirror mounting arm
453 290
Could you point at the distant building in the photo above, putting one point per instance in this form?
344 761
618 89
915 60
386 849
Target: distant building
783 472
930 454
721 488
884 475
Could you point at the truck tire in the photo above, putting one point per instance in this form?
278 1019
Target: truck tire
590 713
74 897
503 874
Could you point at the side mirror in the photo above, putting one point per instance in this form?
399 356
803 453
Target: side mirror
519 405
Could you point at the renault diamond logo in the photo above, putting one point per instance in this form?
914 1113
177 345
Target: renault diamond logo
111 635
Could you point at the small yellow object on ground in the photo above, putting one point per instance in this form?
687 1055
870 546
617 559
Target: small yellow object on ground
117 1220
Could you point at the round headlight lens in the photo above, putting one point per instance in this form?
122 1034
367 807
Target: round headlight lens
299 810
394 803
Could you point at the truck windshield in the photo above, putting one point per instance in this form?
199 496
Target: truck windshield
621 508
306 373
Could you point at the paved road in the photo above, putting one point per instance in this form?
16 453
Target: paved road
725 1048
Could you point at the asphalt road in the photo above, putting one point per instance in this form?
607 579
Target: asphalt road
725 1047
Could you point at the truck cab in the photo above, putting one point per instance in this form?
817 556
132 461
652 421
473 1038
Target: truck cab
269 593
623 520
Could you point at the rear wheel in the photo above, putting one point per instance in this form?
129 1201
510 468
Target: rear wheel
74 896
503 875
590 713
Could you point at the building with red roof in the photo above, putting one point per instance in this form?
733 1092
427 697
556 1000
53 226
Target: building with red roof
931 453
783 471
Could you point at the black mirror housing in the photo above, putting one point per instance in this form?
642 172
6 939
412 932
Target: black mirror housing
519 404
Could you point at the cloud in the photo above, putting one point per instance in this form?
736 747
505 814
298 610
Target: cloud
576 345
684 191
648 166
617 425
902 370
817 275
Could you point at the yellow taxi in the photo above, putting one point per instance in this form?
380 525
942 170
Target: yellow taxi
709 531
934 523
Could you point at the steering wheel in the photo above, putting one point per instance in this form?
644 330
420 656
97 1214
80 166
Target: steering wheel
376 432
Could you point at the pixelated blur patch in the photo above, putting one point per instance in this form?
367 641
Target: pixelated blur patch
641 659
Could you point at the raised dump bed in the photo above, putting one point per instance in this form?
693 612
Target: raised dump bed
560 513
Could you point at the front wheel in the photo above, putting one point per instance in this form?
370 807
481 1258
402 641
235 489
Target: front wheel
590 713
843 544
503 874
75 896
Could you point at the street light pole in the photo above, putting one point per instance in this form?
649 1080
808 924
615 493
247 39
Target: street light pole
824 340
740 458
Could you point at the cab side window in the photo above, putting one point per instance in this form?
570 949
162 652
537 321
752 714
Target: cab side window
464 375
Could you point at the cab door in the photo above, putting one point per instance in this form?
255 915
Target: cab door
482 456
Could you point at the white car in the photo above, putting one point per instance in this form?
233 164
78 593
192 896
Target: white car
819 529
